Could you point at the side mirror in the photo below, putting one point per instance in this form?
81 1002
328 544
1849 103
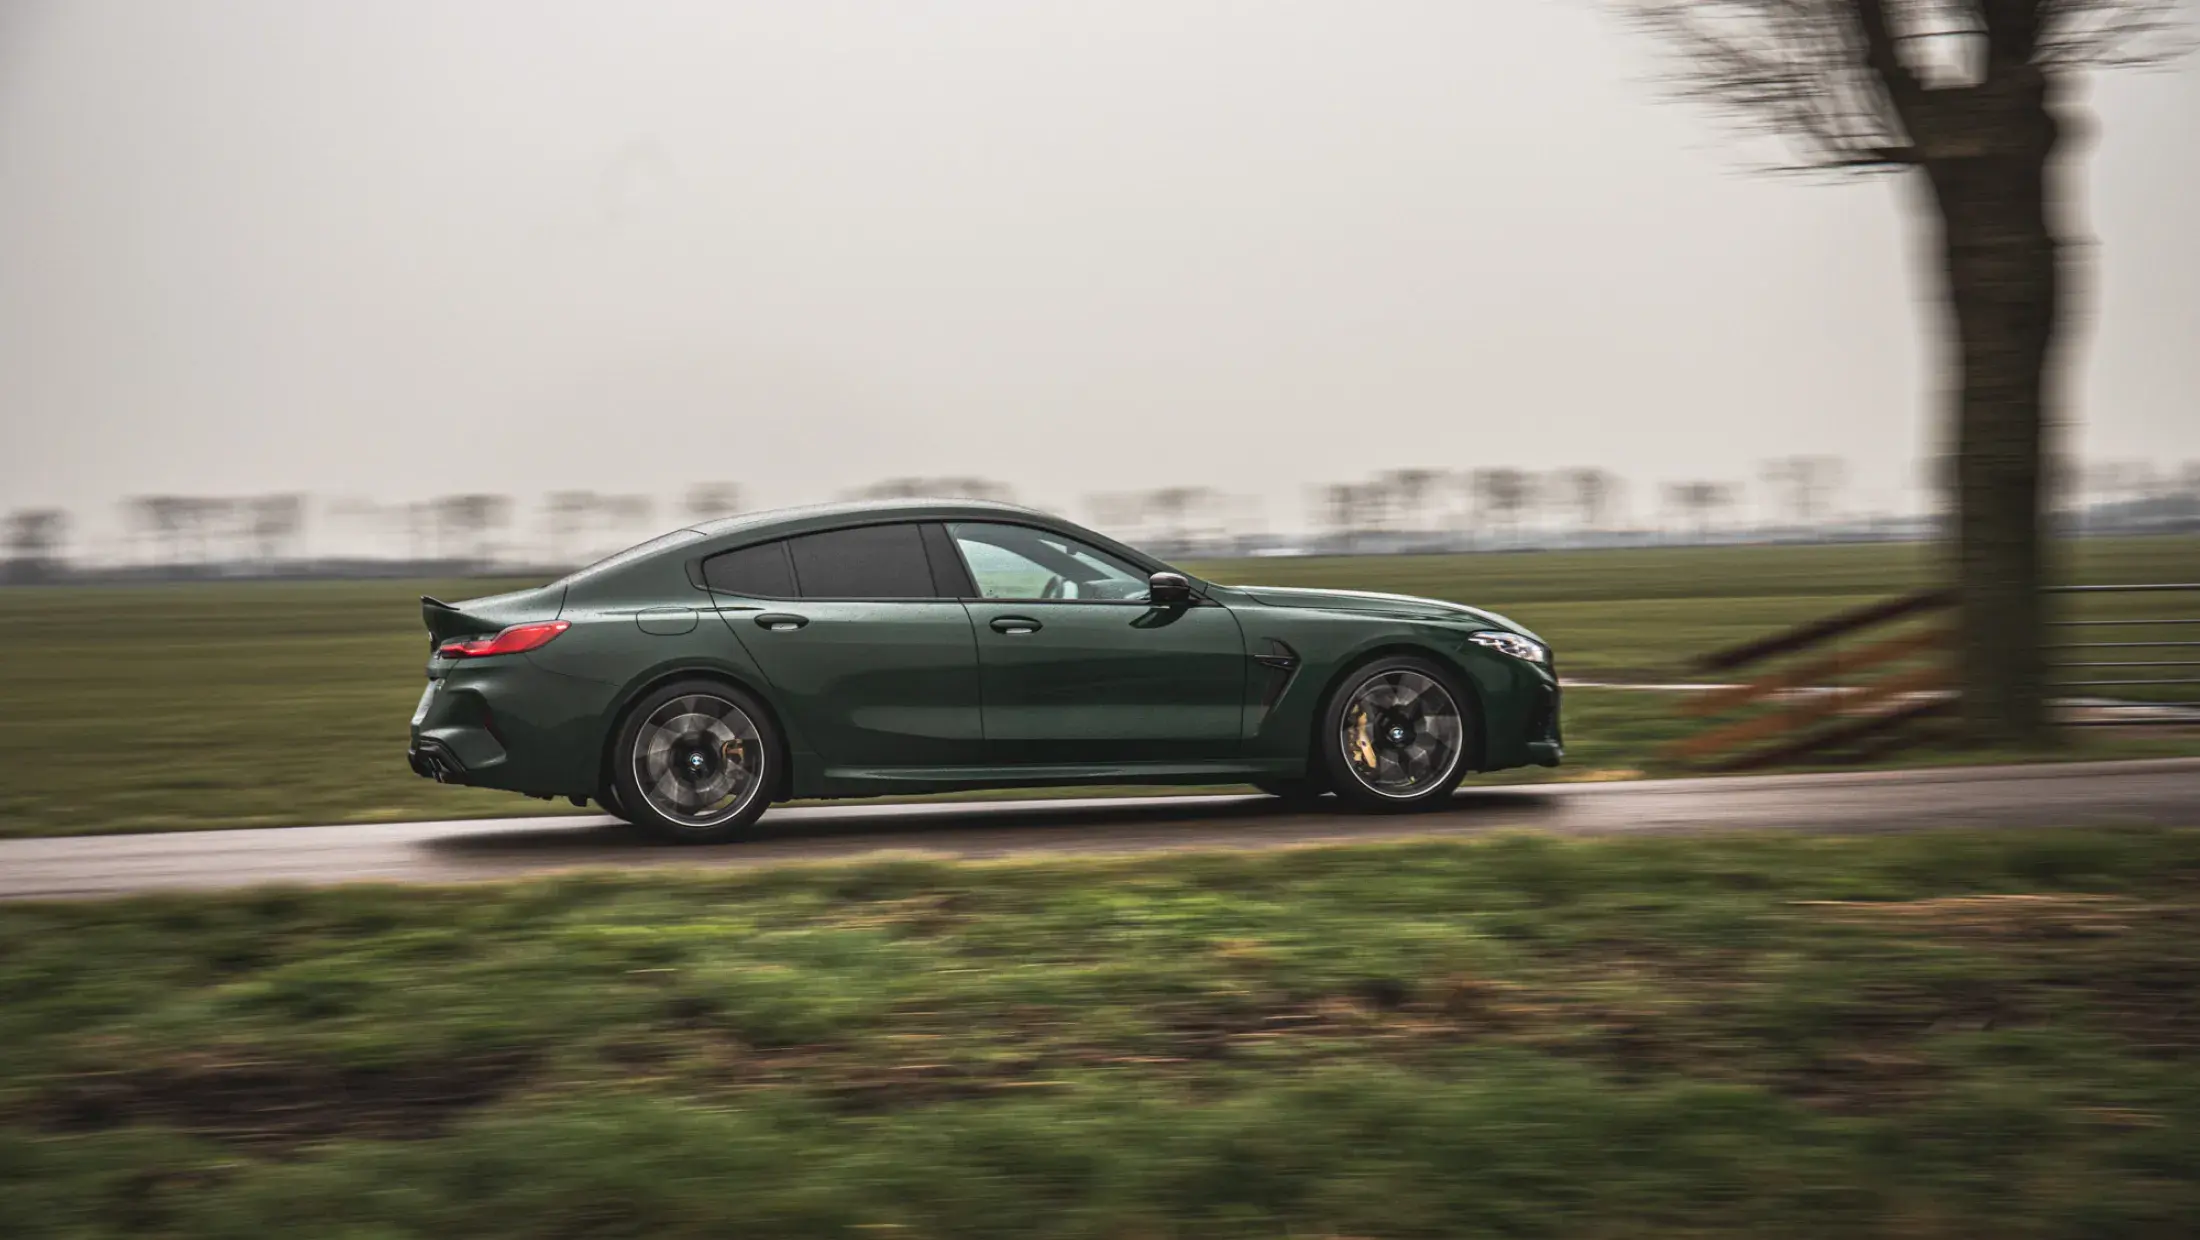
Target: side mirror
1166 588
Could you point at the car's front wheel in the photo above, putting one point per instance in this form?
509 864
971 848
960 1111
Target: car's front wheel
696 762
608 801
1397 735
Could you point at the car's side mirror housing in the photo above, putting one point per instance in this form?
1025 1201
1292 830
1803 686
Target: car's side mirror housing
1166 588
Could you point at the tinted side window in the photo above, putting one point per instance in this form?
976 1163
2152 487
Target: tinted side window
760 572
873 561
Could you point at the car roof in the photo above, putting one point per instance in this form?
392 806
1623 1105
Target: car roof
753 527
811 516
694 543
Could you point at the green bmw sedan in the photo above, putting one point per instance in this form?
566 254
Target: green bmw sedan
861 650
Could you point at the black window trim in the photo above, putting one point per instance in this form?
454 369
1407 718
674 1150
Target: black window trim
961 565
951 575
785 541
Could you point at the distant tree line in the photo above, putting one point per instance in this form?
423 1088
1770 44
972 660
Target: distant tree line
37 539
1401 509
192 535
1499 505
1496 503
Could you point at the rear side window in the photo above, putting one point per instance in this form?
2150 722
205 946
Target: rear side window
872 561
759 572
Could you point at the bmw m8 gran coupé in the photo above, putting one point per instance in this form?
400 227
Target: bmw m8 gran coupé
860 650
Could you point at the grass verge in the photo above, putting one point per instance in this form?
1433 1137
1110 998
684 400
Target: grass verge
1948 1033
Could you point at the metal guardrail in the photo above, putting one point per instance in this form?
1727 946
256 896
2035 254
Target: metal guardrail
1853 700
2127 709
1860 700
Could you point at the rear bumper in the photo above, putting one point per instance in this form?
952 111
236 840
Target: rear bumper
501 722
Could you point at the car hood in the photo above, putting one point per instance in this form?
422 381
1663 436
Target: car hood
1401 606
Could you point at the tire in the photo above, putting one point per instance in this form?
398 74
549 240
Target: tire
608 801
1397 735
695 762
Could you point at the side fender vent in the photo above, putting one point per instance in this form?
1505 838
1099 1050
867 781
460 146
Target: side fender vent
1281 663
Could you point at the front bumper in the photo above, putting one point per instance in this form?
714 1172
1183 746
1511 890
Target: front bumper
1542 743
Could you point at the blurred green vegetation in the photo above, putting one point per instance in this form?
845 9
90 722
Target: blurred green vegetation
1949 1033
235 704
274 704
1639 614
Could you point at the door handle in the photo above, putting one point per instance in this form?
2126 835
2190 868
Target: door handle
1015 624
781 622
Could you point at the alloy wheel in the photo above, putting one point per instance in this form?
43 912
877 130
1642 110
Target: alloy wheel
1401 734
698 760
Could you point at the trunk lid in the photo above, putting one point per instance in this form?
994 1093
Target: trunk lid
489 615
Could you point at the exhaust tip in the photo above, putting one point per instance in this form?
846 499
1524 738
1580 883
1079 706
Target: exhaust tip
432 761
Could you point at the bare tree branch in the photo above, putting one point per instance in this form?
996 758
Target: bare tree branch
2110 33
1796 69
1856 84
1902 86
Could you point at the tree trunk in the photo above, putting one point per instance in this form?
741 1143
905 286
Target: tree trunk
1987 163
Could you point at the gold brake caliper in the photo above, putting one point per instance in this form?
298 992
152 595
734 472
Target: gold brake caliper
1363 739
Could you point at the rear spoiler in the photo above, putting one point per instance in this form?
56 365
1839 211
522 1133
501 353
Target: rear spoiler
445 621
480 617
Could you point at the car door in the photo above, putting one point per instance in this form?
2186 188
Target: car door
1076 666
876 668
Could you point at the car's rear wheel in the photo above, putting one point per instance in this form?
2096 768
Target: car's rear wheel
696 761
1397 735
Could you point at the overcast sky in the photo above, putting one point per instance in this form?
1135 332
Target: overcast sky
397 249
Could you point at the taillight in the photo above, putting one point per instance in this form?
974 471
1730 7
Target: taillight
518 639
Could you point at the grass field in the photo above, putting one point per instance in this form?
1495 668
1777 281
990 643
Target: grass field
1943 1034
274 704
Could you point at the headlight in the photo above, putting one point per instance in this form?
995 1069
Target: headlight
1513 644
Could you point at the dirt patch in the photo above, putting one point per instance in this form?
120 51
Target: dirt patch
1859 1080
1382 1016
848 1081
275 1103
2156 1005
2026 915
2131 961
929 914
1036 1049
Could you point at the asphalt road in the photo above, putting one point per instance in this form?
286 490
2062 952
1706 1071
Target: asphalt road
2163 793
